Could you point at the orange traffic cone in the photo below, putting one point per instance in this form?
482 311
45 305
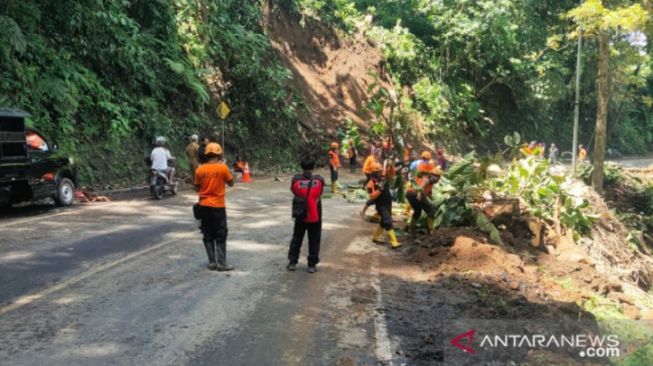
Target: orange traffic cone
247 178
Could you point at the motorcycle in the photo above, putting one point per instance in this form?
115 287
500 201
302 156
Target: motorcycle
160 183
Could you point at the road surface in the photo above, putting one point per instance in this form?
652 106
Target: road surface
125 283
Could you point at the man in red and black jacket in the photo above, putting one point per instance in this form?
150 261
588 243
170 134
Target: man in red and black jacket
309 187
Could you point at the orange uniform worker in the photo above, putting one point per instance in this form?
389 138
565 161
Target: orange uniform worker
334 166
408 153
420 191
210 181
369 162
380 196
582 153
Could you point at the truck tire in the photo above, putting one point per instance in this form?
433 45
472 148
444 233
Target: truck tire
65 193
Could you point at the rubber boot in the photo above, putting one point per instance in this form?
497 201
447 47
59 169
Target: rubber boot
412 226
407 210
378 236
393 239
334 187
429 224
221 257
208 245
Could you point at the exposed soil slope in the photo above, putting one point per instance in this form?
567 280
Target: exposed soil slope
333 74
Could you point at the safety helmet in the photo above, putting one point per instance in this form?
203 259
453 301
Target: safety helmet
334 145
213 149
194 137
426 155
160 140
376 167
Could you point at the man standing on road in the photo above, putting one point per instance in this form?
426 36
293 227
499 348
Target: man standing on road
553 154
334 166
308 188
352 154
210 181
582 153
191 154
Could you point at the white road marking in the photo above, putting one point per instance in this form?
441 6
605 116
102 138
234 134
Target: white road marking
28 299
383 348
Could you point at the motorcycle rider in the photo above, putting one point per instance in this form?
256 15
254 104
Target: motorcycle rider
160 157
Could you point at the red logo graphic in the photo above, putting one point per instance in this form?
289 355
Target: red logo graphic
467 346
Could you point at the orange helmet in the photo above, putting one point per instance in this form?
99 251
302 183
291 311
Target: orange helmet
334 145
376 167
213 149
426 155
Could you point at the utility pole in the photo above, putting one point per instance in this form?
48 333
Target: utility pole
579 68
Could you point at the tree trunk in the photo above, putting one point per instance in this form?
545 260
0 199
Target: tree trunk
602 113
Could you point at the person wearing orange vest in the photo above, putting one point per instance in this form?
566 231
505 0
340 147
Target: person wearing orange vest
582 153
408 153
210 181
352 154
367 166
419 193
334 166
380 196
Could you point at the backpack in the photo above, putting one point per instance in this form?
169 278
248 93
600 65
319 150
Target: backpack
300 204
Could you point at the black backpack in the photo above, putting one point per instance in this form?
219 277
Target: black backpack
300 204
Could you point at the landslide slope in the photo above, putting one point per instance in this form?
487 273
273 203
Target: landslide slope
332 73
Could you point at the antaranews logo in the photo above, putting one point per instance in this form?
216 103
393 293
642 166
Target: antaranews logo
587 345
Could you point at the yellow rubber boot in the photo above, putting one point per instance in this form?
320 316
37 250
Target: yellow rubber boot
334 187
429 224
378 236
407 210
393 239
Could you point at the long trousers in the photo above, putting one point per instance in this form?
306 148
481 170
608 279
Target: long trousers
334 174
420 205
314 239
214 228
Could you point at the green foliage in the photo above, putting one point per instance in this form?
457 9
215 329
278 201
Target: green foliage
478 70
613 174
103 78
541 192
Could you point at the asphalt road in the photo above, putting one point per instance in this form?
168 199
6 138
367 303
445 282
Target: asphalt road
125 283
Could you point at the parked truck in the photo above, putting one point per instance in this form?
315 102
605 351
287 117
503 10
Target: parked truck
31 167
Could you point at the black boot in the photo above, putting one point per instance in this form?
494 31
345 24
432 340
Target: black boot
221 257
208 245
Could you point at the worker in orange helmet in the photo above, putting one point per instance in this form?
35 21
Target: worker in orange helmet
367 166
334 166
419 193
210 181
380 196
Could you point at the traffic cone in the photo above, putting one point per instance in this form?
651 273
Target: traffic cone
247 178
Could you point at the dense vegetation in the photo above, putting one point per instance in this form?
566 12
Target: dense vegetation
486 68
103 77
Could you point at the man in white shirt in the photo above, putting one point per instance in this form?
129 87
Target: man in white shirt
160 156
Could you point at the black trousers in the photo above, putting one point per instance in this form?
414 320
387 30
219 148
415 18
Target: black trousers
214 228
352 164
314 239
420 205
386 216
334 174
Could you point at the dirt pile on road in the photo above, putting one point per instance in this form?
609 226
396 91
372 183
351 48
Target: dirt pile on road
332 73
457 274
